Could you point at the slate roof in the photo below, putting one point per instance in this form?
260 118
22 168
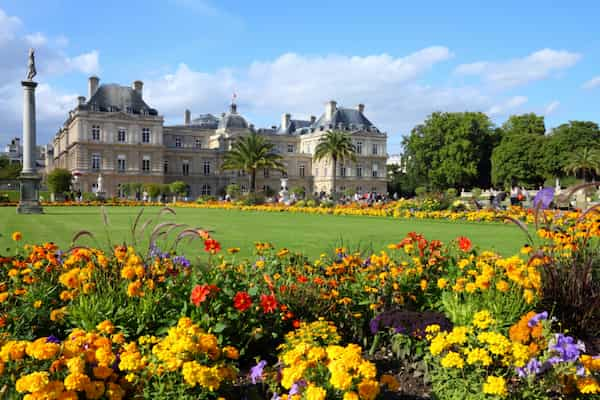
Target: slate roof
344 118
113 97
206 121
294 128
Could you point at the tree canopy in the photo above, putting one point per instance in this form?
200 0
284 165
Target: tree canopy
338 146
451 150
249 153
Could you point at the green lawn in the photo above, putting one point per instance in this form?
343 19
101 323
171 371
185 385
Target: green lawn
311 234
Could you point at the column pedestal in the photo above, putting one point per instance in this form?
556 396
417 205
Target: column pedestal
29 202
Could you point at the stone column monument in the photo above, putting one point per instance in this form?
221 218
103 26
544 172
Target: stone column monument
29 178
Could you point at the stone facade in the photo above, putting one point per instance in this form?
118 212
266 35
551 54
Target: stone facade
117 134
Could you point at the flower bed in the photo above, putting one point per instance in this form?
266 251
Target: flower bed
131 322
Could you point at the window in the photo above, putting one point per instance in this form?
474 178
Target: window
301 170
185 168
145 135
177 141
359 170
375 149
205 189
358 147
198 143
290 148
359 189
146 164
206 167
375 168
342 170
325 171
244 188
122 135
95 133
121 163
266 172
95 162
166 166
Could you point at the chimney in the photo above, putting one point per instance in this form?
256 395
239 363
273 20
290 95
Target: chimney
187 118
360 108
330 109
285 121
313 119
93 82
138 86
81 100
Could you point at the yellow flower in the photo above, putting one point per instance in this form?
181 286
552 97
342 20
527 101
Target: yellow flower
350 396
483 319
106 327
76 381
478 356
588 385
37 304
442 283
231 352
452 360
16 236
390 381
32 382
495 385
368 389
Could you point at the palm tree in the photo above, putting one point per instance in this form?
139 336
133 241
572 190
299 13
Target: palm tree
585 160
250 153
338 146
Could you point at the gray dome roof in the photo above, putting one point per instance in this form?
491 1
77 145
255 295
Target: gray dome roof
344 118
114 97
233 120
207 121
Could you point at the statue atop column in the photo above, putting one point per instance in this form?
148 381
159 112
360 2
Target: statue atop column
31 72
29 178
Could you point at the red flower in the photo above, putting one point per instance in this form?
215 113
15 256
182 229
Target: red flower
200 293
464 243
212 246
242 301
302 279
268 303
296 324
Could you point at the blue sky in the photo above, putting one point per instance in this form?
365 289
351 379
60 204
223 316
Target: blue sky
402 59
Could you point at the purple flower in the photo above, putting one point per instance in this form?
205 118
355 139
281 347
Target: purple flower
276 397
533 367
580 371
52 339
543 198
537 318
568 350
257 371
181 260
297 387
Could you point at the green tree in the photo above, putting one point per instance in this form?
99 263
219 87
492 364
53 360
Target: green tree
59 180
180 188
524 124
338 146
233 190
152 189
250 153
517 159
9 170
586 161
451 150
566 139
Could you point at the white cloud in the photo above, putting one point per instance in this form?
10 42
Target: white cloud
519 71
592 83
36 39
551 107
8 26
507 106
52 60
389 87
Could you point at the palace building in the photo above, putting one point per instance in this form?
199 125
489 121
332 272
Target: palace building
115 133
